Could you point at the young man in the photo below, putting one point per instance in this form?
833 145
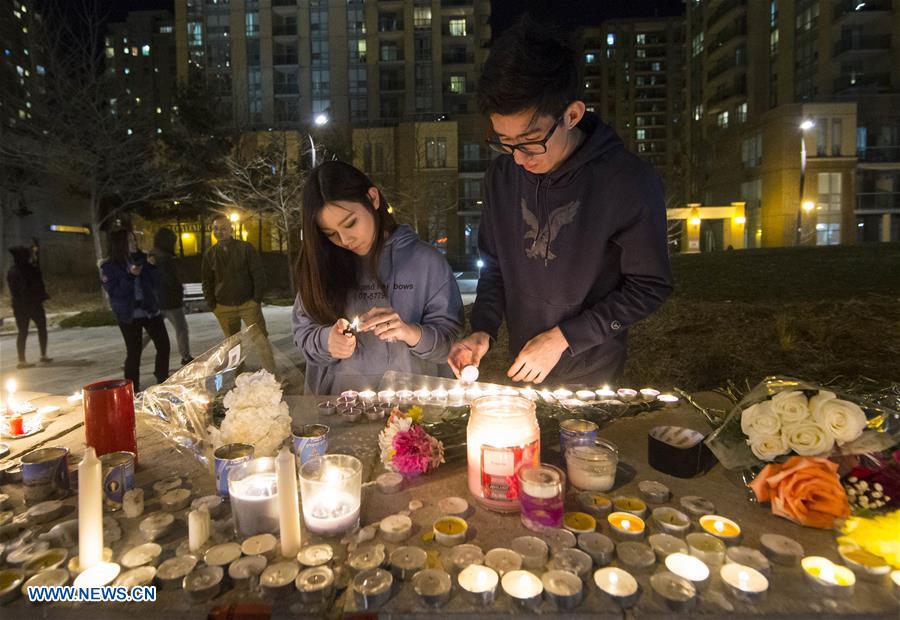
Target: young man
573 231
233 280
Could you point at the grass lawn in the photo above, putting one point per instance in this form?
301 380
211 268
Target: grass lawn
815 313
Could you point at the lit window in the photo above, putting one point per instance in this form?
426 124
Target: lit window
589 58
126 71
641 134
722 119
40 70
137 100
145 50
640 39
134 51
742 113
158 110
20 70
165 29
26 51
458 27
129 132
458 84
22 114
110 52
611 39
158 130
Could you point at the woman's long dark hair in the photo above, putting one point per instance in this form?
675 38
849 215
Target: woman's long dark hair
118 247
326 273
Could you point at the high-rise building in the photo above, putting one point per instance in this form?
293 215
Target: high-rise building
794 109
23 66
633 78
141 50
389 69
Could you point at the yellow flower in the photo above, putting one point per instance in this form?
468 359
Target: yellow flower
877 535
415 414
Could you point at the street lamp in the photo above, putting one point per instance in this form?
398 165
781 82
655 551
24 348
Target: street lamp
320 120
805 126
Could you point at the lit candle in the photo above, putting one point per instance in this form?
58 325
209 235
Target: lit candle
90 513
99 574
457 395
827 577
474 392
367 396
330 486
724 529
480 582
423 395
649 394
618 584
626 394
562 588
288 505
562 394
529 392
523 587
743 582
440 395
668 400
405 396
605 393
867 565
895 579
585 395
387 396
687 566
10 390
625 525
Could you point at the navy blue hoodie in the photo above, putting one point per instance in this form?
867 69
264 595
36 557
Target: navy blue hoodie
421 288
582 248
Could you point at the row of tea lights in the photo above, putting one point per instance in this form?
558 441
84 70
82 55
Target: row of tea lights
460 395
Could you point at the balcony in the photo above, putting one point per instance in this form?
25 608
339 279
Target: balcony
727 35
878 154
856 11
724 9
737 89
863 45
285 59
284 30
869 82
725 64
878 201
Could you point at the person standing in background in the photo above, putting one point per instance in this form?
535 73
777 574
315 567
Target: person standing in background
170 291
130 281
28 294
233 280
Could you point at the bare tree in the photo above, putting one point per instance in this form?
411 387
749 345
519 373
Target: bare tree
83 130
265 173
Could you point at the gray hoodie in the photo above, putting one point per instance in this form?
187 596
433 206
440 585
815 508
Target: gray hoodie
421 288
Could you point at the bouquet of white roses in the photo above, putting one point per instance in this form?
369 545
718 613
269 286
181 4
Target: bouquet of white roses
783 416
791 422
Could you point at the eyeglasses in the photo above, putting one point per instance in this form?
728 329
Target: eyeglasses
536 147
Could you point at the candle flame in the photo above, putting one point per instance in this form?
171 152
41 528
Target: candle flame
10 385
743 578
613 578
75 397
720 527
826 573
626 524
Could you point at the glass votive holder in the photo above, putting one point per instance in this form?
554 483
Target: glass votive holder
542 492
253 489
330 488
592 467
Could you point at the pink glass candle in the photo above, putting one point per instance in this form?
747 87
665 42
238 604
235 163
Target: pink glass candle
542 491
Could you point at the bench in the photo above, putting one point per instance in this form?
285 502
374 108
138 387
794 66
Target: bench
193 297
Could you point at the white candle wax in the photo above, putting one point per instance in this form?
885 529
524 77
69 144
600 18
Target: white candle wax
198 528
469 374
687 566
100 574
331 512
522 585
90 511
288 505
254 504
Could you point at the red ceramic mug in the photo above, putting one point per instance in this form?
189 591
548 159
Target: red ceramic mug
109 416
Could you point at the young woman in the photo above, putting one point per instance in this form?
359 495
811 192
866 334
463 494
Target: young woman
130 281
357 262
27 293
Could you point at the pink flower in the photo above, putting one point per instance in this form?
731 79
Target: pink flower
414 451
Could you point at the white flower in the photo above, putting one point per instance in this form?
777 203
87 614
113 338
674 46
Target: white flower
808 438
760 419
819 399
255 414
843 419
386 439
767 447
791 406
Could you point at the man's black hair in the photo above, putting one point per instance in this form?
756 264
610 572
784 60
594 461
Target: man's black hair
530 66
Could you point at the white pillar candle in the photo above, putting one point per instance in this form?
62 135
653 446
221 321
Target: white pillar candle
90 511
288 506
198 528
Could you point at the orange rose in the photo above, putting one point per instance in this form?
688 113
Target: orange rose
806 490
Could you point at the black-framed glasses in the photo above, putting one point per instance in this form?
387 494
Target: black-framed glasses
536 147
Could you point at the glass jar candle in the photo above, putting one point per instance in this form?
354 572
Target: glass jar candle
330 489
253 489
542 493
592 467
502 436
